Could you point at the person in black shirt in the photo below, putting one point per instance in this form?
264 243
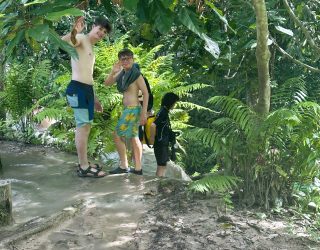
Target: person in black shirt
160 132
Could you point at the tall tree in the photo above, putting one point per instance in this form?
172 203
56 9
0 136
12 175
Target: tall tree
263 56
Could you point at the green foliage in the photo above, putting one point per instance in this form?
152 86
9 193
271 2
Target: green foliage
205 156
24 83
307 196
269 154
30 23
214 183
292 91
50 103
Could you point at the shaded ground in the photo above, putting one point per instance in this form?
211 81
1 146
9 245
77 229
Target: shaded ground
55 209
181 221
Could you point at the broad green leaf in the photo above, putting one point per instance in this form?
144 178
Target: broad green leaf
55 6
39 32
167 3
219 13
55 16
4 5
55 39
143 11
130 4
284 30
35 2
164 22
187 18
13 43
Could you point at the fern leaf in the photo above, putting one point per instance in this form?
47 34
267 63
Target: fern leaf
214 183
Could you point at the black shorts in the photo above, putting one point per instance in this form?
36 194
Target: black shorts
162 155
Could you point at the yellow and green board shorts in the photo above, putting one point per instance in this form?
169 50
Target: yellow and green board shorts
129 122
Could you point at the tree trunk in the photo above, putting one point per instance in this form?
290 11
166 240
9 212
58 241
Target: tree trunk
5 204
2 72
263 56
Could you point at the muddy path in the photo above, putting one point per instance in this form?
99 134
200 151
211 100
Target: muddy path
55 209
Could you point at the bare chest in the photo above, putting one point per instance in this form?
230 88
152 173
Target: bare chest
86 52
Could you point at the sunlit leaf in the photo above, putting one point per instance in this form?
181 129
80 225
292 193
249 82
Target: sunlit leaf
211 46
55 16
35 2
284 30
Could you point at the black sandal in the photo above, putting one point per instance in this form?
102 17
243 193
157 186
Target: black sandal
89 173
97 166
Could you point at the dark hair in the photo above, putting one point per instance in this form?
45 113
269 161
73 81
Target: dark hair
169 99
125 52
104 23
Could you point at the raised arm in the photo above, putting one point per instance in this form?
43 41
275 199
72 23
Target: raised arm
143 87
111 78
72 36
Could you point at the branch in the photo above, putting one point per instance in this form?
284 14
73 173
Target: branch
283 52
237 70
304 29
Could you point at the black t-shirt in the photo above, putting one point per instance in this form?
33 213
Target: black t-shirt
162 122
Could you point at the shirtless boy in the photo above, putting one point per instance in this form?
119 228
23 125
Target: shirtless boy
80 92
129 82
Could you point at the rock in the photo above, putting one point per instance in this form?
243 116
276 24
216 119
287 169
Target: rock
176 172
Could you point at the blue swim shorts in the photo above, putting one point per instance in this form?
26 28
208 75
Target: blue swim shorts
80 97
129 122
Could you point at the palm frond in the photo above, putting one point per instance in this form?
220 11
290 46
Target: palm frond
209 137
52 113
214 183
149 57
238 111
190 106
41 73
293 91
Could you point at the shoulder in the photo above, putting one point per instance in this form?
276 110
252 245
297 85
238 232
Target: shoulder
83 39
162 114
82 36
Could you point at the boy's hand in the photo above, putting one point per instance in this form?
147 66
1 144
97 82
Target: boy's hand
98 106
79 25
77 28
116 68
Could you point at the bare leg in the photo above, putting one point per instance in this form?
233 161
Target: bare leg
122 151
81 139
161 171
137 152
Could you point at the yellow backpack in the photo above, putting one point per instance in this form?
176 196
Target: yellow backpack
146 130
